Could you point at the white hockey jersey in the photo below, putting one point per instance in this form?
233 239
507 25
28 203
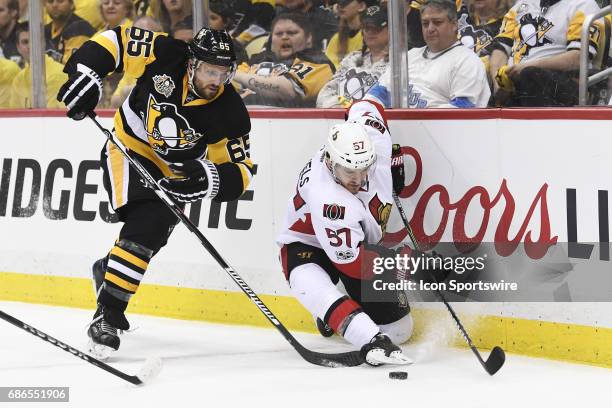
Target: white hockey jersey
530 31
325 215
453 78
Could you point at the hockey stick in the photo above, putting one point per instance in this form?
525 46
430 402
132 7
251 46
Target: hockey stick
348 359
150 369
497 357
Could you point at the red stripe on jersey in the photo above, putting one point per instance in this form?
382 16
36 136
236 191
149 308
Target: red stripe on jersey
361 268
340 313
298 201
305 227
378 106
283 258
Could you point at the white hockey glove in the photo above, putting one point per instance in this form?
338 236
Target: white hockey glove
198 179
81 93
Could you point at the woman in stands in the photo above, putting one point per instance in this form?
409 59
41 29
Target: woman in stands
171 12
360 70
349 37
115 13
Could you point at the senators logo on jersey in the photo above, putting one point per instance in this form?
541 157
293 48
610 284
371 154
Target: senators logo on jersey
381 212
333 211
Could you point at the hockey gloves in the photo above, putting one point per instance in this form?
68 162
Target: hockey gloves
81 93
397 168
193 183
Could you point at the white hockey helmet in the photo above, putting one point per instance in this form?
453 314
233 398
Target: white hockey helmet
349 145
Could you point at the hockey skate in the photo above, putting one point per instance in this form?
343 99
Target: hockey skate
381 350
324 329
104 331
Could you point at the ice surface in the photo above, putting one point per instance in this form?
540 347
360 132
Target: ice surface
222 365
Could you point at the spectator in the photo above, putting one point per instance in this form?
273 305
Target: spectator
127 82
66 32
8 71
89 10
443 74
349 37
324 21
21 89
182 31
480 22
536 55
255 20
171 12
413 22
220 17
116 12
23 10
9 14
291 73
360 70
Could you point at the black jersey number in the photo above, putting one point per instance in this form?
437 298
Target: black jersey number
301 71
139 43
239 149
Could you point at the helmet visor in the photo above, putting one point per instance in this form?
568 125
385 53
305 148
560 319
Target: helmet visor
208 73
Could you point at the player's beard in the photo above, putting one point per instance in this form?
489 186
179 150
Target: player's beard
209 91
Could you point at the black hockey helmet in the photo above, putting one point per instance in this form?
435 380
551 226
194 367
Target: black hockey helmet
215 47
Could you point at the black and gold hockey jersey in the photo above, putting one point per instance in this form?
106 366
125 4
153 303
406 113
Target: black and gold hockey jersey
161 121
308 70
535 29
61 43
476 33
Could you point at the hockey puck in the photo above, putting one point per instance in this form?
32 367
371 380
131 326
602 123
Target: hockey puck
398 375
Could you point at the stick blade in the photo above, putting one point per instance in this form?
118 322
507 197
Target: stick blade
496 360
150 369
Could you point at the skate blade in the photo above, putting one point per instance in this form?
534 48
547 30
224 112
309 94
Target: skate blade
99 351
378 357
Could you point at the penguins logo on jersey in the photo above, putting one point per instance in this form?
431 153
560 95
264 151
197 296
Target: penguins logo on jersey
167 129
357 84
474 39
532 33
269 69
381 212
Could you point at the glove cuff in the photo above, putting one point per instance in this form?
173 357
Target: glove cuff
212 175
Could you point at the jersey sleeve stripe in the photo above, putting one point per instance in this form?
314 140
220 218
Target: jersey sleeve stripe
245 170
108 40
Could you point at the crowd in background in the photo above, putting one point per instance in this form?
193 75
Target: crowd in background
314 53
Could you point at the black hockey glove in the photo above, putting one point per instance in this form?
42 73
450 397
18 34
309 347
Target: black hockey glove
193 183
397 168
81 93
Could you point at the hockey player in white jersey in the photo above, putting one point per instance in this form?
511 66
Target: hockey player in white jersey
336 218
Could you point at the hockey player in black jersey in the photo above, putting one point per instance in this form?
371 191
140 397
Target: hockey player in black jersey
183 121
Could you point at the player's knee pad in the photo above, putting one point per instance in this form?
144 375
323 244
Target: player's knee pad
313 287
148 224
399 331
